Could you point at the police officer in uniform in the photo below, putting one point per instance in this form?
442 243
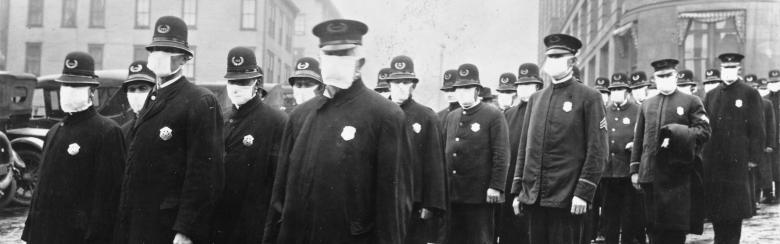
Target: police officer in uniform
306 80
620 207
477 156
738 140
140 81
764 182
596 226
561 156
685 82
638 85
711 80
427 152
512 228
774 96
601 85
448 90
382 87
344 173
753 168
81 170
507 91
174 172
253 132
670 130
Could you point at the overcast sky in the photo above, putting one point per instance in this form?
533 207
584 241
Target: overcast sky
495 35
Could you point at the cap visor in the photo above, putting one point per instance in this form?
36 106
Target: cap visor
242 76
338 47
72 79
169 44
552 51
303 75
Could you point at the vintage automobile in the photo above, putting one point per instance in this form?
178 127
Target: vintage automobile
18 145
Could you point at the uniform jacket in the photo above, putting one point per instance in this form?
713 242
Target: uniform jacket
765 166
655 112
343 170
621 119
477 152
514 118
738 137
427 153
774 97
563 145
252 136
80 175
174 171
443 113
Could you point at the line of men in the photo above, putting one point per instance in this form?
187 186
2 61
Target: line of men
350 165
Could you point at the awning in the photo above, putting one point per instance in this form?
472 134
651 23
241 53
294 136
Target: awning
685 18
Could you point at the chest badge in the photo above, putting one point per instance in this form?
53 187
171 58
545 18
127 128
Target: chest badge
475 127
73 149
166 133
348 133
417 128
680 111
248 140
738 103
626 121
567 106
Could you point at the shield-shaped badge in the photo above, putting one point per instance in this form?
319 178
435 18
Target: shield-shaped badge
417 128
567 106
475 127
166 133
248 140
680 111
738 103
348 133
73 149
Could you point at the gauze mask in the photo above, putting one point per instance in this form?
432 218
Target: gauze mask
640 94
685 89
729 74
137 100
466 97
774 86
524 92
505 100
763 92
303 94
239 95
74 99
400 92
708 87
667 84
160 63
557 67
617 96
339 71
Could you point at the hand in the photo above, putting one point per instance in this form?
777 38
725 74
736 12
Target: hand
493 195
635 181
629 145
578 206
768 150
752 165
665 143
517 206
425 213
181 239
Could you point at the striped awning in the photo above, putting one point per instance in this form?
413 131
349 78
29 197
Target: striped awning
685 18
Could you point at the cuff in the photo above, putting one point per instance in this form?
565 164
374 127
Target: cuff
516 186
585 189
634 168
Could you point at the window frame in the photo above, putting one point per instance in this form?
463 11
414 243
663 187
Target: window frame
28 58
97 58
148 13
244 14
75 10
40 10
709 57
194 23
92 14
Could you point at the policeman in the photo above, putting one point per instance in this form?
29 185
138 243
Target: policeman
711 80
139 82
172 180
560 158
477 156
620 200
446 88
507 91
774 96
638 85
685 82
253 131
382 87
764 183
511 228
81 171
486 96
306 80
738 140
601 85
670 130
343 173
753 168
597 227
427 153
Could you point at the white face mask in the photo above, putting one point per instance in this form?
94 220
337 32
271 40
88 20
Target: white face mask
710 86
451 97
729 74
666 85
685 89
400 92
239 95
137 100
303 94
774 86
74 99
763 92
505 100
339 71
617 96
160 63
557 67
466 97
640 94
524 92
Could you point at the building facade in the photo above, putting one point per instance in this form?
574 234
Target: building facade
627 35
305 44
115 33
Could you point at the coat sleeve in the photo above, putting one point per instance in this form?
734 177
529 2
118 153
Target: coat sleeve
517 180
756 126
499 146
109 166
204 174
769 115
597 148
639 137
434 195
393 180
274 215
700 123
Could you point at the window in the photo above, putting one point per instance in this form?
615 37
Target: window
142 16
604 61
300 24
35 13
96 51
189 12
280 22
189 67
288 37
248 14
269 66
278 68
575 26
32 61
584 22
271 20
140 53
69 8
97 13
606 11
704 41
591 74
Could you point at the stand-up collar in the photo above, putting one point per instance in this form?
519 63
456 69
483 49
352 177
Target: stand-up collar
75 117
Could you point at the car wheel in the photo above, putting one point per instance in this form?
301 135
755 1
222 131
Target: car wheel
27 180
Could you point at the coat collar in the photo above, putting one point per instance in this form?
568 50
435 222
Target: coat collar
247 108
564 83
343 96
157 100
75 117
474 109
453 106
408 103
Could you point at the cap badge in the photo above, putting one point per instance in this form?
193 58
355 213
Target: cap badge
505 80
774 73
71 64
237 61
709 72
417 128
635 77
382 76
303 65
248 140
136 68
475 127
447 76
348 133
166 133
749 78
738 103
680 76
73 149
567 106
616 77
680 111
524 71
463 72
554 39
336 28
162 29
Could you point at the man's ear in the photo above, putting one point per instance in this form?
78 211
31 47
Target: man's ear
414 85
361 62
